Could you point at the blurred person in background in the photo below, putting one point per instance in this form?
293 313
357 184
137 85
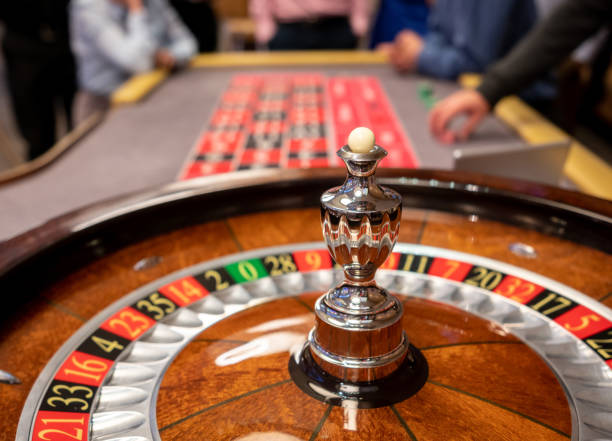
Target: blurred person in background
200 19
40 68
309 24
395 16
463 36
114 39
571 23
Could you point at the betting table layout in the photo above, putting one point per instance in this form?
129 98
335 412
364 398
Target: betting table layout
294 121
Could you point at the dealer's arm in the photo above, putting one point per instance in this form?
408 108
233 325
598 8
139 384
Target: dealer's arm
543 48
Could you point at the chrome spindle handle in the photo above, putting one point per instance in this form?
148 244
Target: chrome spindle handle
358 333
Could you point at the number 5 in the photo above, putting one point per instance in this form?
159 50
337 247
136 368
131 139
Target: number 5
584 322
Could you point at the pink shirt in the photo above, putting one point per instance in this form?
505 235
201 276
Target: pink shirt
267 12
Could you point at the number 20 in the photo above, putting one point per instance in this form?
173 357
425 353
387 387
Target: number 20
484 278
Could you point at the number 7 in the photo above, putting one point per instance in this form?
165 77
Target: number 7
453 267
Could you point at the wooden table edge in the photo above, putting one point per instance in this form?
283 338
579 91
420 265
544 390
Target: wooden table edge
58 149
139 86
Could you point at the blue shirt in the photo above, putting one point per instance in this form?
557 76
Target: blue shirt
395 15
468 35
111 44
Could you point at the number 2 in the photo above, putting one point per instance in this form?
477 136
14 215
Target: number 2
219 282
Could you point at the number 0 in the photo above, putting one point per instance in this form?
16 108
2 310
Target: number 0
247 270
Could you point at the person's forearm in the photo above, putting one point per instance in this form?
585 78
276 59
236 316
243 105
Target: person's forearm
184 49
441 60
182 44
545 47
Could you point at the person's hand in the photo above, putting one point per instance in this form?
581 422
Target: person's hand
384 48
405 52
164 59
464 102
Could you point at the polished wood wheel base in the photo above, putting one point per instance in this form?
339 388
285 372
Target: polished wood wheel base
233 381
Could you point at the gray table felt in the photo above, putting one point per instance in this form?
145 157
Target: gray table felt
144 145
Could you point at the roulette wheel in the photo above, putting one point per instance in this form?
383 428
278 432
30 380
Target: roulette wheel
197 312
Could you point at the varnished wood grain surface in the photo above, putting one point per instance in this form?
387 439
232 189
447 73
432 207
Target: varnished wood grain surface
483 383
34 332
23 246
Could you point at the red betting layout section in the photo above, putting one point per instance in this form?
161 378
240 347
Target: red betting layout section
295 120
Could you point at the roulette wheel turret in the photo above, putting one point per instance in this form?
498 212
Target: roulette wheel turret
358 352
234 323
